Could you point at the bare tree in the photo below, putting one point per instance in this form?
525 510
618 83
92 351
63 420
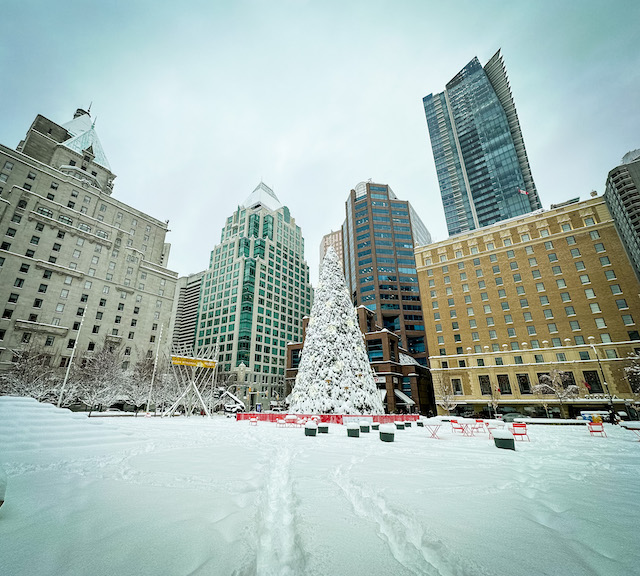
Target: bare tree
31 375
495 399
556 383
632 372
139 382
166 389
101 378
444 392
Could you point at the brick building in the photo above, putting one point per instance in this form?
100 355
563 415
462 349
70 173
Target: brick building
509 302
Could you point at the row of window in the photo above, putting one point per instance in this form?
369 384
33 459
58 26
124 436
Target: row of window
506 242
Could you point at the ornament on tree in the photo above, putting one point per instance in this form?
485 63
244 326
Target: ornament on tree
334 376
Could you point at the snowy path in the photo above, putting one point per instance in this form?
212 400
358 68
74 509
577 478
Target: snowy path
196 497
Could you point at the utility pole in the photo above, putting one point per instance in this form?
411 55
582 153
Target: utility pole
155 364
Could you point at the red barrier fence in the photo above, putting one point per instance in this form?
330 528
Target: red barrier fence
328 418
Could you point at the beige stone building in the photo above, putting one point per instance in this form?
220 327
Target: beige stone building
71 251
333 239
508 303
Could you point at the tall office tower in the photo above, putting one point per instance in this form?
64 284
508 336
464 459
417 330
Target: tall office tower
379 235
332 239
185 310
481 162
70 250
255 294
622 195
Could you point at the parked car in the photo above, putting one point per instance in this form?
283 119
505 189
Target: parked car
511 416
233 408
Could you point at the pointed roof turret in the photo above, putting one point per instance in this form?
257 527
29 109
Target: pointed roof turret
84 136
262 195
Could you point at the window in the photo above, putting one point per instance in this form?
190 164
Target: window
622 304
592 381
610 275
575 253
523 383
584 279
627 319
485 384
504 386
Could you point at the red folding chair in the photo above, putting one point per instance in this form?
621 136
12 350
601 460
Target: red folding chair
596 428
457 427
519 431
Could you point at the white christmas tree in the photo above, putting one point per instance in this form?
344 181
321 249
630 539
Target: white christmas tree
334 376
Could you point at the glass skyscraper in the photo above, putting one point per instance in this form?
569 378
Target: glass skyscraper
481 162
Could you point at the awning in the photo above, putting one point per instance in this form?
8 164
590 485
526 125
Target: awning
383 393
403 397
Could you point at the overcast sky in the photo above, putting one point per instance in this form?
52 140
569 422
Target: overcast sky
197 101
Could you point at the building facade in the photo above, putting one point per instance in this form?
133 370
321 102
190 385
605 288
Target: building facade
510 302
481 162
72 254
379 236
622 195
254 295
185 311
333 239
403 383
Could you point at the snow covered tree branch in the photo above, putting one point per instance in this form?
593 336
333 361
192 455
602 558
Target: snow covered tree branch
556 383
334 374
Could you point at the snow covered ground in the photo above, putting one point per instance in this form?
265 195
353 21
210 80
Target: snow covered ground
138 496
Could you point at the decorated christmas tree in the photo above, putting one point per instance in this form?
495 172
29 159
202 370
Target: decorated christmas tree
334 376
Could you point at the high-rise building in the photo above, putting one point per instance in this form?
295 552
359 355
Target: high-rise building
71 251
622 195
481 162
379 235
185 311
254 295
333 239
511 302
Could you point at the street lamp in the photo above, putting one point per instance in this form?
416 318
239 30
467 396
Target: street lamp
604 381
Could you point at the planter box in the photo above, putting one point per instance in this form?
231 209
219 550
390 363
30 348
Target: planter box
420 424
365 427
310 431
407 424
504 439
387 432
353 430
375 426
323 428
399 425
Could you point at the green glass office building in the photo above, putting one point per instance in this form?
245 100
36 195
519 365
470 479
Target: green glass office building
255 293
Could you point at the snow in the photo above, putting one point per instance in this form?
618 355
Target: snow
193 496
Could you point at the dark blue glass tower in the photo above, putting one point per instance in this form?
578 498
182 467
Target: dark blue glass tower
481 162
